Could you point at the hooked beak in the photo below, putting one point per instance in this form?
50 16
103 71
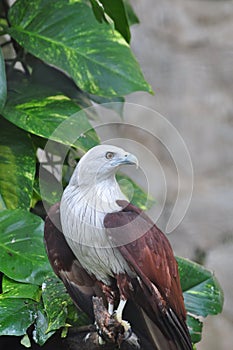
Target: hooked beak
127 159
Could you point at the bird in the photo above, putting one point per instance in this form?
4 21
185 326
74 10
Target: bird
100 244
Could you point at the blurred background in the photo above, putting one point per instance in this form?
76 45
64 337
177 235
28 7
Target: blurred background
185 48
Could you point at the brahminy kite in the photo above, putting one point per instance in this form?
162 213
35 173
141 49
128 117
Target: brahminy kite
99 244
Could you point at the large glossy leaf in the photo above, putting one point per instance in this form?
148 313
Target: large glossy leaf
16 315
116 10
67 35
17 167
56 302
132 17
195 328
40 333
33 108
13 289
56 311
202 293
2 82
22 254
49 76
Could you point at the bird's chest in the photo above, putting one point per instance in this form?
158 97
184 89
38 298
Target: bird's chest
87 237
103 263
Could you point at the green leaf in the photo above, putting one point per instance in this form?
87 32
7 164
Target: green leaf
55 301
195 328
13 289
2 82
16 315
51 77
32 108
56 310
98 10
17 167
202 293
68 36
132 17
40 334
134 193
22 253
116 10
59 306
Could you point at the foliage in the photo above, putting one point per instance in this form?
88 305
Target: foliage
67 55
203 295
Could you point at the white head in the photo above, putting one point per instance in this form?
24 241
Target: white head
100 163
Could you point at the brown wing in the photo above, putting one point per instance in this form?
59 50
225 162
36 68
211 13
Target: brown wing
157 287
79 284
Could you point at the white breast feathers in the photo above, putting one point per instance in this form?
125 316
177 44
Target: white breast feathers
82 217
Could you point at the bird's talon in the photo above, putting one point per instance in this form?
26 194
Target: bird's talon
114 315
126 326
128 333
100 340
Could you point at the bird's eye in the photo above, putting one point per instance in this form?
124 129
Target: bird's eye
109 155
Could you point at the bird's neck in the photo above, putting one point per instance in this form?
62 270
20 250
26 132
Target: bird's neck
98 195
104 194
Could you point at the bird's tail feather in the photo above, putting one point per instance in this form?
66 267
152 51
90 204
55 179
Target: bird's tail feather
180 334
178 338
159 341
